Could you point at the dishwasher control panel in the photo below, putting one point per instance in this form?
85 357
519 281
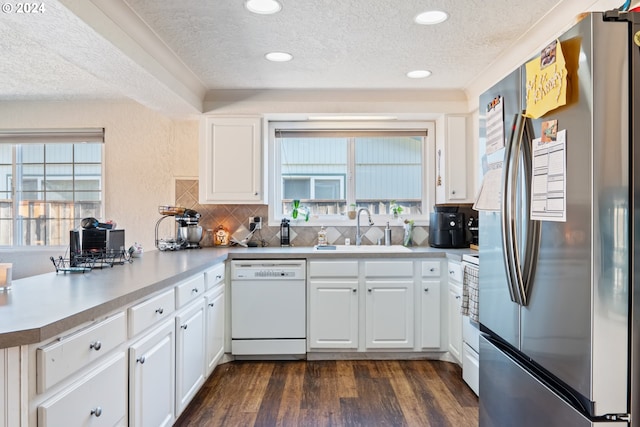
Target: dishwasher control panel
268 270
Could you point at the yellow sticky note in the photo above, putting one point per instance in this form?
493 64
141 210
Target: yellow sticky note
546 87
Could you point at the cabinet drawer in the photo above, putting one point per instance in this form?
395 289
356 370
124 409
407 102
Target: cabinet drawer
61 358
333 269
145 314
189 289
388 268
455 271
214 276
430 268
98 400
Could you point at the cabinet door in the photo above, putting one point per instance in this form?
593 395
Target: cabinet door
10 371
190 345
231 160
333 314
430 313
151 378
99 399
214 327
455 322
389 316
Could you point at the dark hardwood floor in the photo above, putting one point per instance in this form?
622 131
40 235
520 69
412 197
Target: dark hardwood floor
334 393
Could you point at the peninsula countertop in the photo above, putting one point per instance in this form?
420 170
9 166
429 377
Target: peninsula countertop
40 307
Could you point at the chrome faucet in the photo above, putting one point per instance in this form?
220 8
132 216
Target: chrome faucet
358 236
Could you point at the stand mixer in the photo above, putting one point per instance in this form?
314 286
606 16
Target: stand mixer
189 232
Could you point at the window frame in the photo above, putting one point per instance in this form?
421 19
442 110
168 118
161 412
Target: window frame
275 169
22 137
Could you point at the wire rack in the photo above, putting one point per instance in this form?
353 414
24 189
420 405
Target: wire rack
86 261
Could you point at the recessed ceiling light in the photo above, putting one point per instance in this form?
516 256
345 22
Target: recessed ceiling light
431 17
279 56
263 7
418 74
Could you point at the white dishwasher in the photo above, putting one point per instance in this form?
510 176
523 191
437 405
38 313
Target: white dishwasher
268 308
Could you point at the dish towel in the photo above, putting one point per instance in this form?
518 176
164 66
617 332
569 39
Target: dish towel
470 292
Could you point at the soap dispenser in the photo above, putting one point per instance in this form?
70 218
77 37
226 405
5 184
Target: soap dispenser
322 236
387 235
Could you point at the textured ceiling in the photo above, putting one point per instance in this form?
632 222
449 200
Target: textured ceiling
167 54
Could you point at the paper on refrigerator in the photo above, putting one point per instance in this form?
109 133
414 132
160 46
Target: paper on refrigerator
549 180
490 195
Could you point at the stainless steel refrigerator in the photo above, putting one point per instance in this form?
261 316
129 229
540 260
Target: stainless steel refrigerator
559 306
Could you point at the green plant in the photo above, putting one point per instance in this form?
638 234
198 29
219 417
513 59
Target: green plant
299 210
395 209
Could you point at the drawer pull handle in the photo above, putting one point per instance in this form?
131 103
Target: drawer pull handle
426 289
141 360
194 290
160 310
451 271
96 345
432 269
219 276
184 326
211 304
97 411
370 290
457 296
355 290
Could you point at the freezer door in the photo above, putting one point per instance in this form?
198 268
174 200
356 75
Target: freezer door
511 396
497 311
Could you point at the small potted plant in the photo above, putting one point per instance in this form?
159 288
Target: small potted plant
396 209
352 211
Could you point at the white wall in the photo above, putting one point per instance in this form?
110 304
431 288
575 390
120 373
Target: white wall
144 151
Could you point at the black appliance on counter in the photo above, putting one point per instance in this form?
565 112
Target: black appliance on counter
447 228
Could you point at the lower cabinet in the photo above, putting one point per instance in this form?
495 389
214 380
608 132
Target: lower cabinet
333 313
389 317
190 346
214 314
96 400
455 321
10 403
152 378
430 304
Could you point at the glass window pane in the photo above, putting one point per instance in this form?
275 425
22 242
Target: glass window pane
88 177
59 153
29 196
5 231
296 188
60 196
31 153
6 154
61 210
88 153
5 177
87 209
327 189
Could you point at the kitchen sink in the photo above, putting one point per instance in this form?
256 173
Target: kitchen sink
362 248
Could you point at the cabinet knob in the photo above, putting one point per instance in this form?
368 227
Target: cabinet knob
451 271
255 194
370 290
432 269
160 310
141 360
426 289
96 345
457 296
453 191
194 290
219 276
184 326
211 304
354 290
97 411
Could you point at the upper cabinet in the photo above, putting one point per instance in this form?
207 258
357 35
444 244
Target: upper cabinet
454 161
231 160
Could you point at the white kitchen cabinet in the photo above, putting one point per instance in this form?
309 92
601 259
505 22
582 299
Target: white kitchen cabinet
389 317
10 396
333 314
190 348
231 166
430 303
454 307
333 304
214 328
152 377
96 400
454 162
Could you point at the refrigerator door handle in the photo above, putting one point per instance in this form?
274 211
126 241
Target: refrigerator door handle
507 208
532 242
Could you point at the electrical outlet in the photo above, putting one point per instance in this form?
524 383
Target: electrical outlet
255 223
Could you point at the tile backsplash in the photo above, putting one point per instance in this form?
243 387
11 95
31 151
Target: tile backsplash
235 219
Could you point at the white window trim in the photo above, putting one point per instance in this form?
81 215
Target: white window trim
275 177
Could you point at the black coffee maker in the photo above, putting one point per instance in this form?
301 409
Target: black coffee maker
447 228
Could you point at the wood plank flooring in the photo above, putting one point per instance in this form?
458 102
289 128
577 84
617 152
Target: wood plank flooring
334 393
